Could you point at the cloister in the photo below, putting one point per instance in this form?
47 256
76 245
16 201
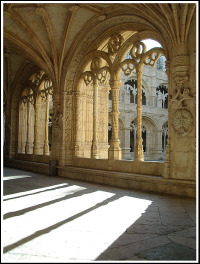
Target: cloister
76 101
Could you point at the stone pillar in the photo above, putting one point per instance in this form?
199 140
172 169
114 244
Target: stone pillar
166 173
36 148
7 105
46 140
182 116
62 154
138 153
20 128
115 150
28 147
159 153
126 150
95 148
56 123
24 128
76 124
66 144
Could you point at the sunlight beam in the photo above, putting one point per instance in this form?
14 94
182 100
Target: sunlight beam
90 224
7 178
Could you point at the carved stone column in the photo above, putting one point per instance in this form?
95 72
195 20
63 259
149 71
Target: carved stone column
126 149
20 128
56 120
159 153
66 143
94 148
36 148
7 105
28 147
138 153
181 116
46 140
62 156
115 150
76 125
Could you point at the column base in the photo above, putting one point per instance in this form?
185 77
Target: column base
94 150
139 158
138 151
115 154
28 149
36 151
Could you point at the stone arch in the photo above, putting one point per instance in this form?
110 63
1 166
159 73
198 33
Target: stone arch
127 45
85 52
96 34
17 86
85 66
25 78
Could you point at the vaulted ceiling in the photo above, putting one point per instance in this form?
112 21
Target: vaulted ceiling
46 33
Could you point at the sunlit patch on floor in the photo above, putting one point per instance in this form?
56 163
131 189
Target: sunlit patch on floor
80 227
7 178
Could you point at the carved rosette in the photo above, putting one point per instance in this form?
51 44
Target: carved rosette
182 122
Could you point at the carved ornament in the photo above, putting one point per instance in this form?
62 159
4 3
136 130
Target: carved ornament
183 92
114 43
127 66
182 122
181 80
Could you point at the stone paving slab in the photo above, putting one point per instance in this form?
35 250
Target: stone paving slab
169 252
54 219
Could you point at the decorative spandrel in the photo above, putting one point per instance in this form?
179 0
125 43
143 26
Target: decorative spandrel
138 49
97 73
139 56
128 66
28 96
48 89
102 74
151 57
87 77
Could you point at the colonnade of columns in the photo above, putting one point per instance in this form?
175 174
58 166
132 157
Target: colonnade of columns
137 61
34 124
96 76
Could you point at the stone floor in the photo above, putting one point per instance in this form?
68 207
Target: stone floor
53 219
